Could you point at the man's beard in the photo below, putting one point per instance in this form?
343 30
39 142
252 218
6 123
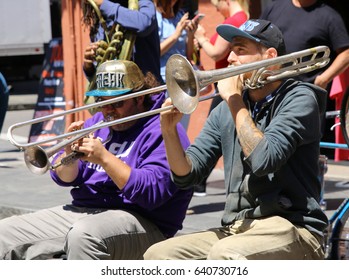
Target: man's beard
120 126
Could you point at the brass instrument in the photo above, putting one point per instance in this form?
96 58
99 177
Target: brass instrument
37 159
119 42
102 21
180 76
183 84
129 37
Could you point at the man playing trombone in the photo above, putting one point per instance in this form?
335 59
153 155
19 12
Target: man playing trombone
269 138
123 197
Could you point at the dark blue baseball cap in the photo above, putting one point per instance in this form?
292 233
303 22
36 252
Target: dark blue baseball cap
258 30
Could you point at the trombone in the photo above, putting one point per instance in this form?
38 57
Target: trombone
183 86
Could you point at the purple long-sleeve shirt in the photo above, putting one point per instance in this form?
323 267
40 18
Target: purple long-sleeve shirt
149 190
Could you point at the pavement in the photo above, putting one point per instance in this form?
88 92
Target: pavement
23 191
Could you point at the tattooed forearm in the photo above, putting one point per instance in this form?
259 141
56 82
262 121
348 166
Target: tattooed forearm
249 136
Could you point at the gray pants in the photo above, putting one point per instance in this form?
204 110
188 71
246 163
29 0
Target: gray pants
271 238
81 233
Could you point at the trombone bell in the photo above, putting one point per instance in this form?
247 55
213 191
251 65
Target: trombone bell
36 160
182 84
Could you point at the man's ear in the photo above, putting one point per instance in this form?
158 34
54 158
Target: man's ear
271 53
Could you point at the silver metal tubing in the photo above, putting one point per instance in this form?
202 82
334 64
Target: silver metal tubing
22 146
183 84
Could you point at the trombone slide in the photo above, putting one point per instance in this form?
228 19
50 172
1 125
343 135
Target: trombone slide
183 86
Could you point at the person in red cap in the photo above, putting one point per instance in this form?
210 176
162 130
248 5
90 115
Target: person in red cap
269 138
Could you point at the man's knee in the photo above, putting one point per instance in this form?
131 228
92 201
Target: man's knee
7 243
220 251
80 239
159 251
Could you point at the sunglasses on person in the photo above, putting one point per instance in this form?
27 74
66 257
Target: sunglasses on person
114 105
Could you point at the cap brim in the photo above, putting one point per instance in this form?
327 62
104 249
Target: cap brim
99 92
229 32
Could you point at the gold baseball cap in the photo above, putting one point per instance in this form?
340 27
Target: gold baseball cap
117 77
